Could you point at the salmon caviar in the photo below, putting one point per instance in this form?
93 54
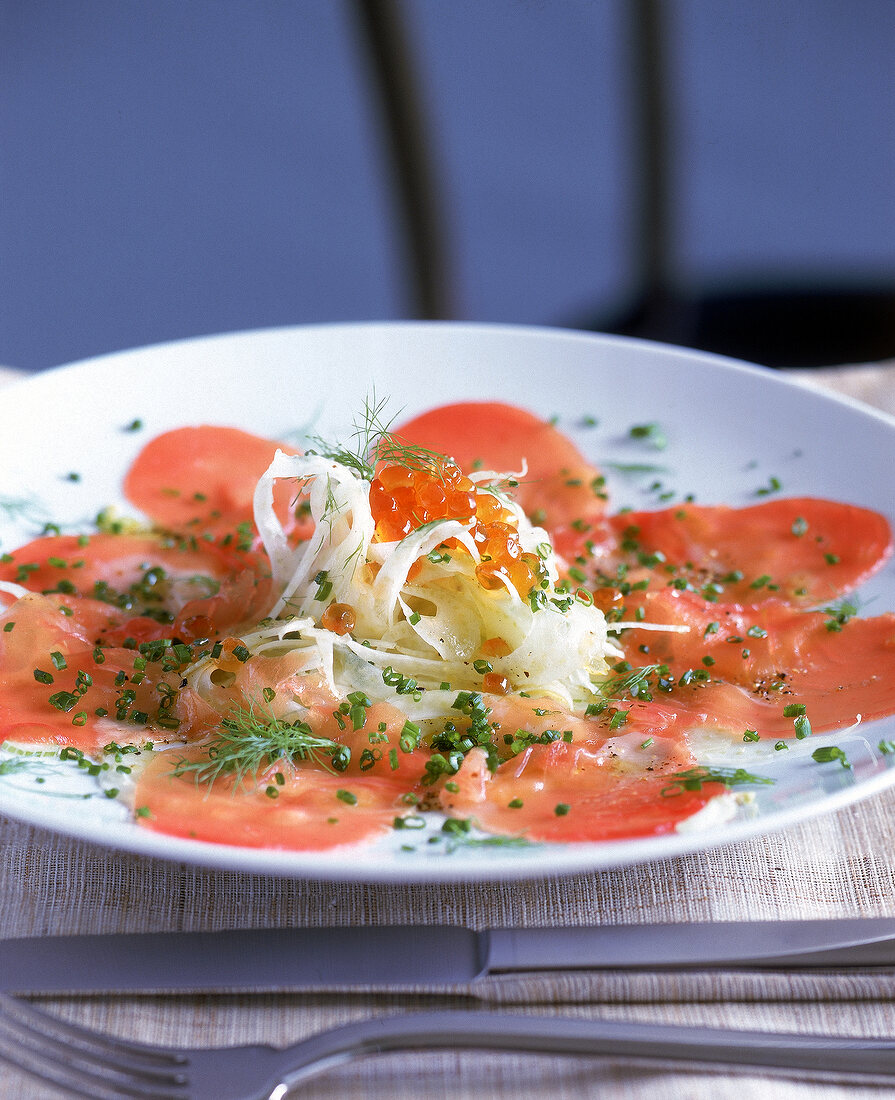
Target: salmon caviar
403 500
493 683
502 557
496 647
340 618
606 598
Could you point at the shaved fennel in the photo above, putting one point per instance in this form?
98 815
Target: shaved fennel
419 611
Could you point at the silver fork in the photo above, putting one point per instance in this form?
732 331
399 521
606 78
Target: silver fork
99 1066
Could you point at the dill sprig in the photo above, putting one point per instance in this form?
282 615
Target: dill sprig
375 443
634 468
458 831
251 739
367 433
839 613
693 778
23 509
499 840
391 449
11 767
637 683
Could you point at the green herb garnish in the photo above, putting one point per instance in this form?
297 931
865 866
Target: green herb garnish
251 739
828 753
693 779
650 433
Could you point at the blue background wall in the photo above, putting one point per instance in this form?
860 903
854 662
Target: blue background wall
177 167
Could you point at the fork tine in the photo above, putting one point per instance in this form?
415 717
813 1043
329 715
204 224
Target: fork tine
72 1081
42 1023
80 1059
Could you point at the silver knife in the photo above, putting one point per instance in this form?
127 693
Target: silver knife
401 956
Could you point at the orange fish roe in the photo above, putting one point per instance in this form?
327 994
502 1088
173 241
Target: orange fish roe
340 618
607 599
403 500
495 684
502 556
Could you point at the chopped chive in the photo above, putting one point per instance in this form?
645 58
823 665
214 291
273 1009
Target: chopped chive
802 727
828 753
774 485
650 433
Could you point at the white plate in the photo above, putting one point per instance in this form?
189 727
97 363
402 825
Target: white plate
730 428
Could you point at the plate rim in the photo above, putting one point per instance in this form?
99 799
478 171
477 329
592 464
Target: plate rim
569 859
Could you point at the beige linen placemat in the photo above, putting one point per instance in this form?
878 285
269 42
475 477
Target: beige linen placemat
874 384
840 865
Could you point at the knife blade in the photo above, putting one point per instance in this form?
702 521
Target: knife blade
401 956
